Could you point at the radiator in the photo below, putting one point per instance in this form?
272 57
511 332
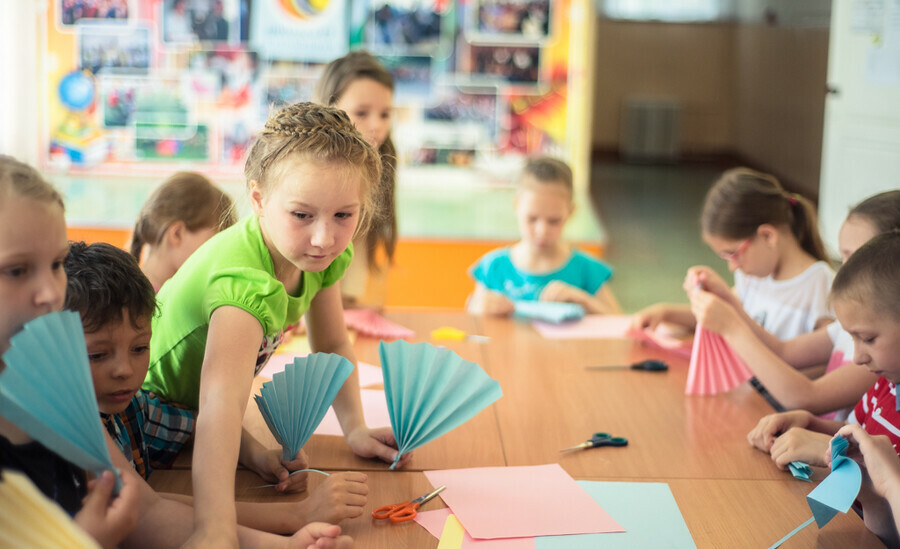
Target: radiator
650 129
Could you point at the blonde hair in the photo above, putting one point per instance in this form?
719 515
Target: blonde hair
743 199
311 132
338 75
547 170
188 197
25 181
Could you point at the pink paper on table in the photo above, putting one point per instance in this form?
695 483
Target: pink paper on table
433 521
715 367
519 502
659 339
375 411
372 324
589 327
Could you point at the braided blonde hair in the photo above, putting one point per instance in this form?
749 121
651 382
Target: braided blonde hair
320 134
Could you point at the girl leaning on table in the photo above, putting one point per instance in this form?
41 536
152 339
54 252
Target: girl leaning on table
312 179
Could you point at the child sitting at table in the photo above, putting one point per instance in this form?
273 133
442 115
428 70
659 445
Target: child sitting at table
33 247
116 303
541 266
866 298
180 215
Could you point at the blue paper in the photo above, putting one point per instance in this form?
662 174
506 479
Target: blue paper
295 401
554 312
46 390
647 511
430 391
839 489
800 470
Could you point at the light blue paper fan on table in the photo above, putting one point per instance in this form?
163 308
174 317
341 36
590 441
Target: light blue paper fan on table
295 401
554 312
431 391
46 390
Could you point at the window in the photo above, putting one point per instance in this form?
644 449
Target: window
667 10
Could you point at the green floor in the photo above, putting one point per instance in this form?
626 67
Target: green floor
649 217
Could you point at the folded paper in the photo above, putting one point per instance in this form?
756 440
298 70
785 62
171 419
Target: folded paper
46 390
553 312
430 391
515 502
715 367
368 322
800 470
295 401
452 534
659 339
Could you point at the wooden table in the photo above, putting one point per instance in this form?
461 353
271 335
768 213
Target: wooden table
729 494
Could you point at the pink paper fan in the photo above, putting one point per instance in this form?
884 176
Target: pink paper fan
664 341
715 367
368 322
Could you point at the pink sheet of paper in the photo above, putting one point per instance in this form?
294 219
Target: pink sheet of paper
659 339
372 324
433 521
589 327
375 411
715 367
519 502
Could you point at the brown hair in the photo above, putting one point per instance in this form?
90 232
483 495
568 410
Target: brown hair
188 197
882 210
25 181
549 170
311 132
743 199
871 276
338 75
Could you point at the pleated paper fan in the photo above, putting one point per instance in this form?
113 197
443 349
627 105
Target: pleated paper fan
715 367
295 401
431 391
549 311
372 324
46 390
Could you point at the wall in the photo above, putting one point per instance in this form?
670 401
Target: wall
693 62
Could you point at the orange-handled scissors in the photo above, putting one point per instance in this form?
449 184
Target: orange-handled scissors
402 512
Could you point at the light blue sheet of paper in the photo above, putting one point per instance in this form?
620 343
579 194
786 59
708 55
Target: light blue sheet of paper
295 401
800 470
431 391
647 511
46 390
839 489
549 311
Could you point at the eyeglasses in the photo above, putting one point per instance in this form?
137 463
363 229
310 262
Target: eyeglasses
735 255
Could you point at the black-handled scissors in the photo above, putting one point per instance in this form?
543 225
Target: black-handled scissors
646 365
599 439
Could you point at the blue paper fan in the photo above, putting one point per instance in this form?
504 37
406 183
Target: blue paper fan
46 390
555 312
295 401
430 391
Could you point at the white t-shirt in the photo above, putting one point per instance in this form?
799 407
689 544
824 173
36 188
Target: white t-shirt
787 308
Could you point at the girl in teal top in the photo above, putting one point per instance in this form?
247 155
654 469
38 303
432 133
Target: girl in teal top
311 179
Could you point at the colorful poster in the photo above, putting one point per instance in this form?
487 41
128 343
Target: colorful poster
299 30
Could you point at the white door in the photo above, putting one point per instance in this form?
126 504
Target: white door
861 144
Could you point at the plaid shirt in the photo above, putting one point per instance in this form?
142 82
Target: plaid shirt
150 432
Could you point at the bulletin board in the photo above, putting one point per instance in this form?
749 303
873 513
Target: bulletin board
146 87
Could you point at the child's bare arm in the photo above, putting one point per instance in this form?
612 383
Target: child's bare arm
672 313
483 301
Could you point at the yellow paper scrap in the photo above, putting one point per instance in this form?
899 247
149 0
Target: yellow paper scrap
448 333
452 536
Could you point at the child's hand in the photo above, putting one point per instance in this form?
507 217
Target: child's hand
799 445
319 535
341 496
650 317
877 458
275 470
561 292
497 304
108 520
763 436
713 313
380 443
709 280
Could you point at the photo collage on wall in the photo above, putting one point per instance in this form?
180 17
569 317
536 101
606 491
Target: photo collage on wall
194 80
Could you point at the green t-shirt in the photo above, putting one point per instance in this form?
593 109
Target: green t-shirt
232 268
